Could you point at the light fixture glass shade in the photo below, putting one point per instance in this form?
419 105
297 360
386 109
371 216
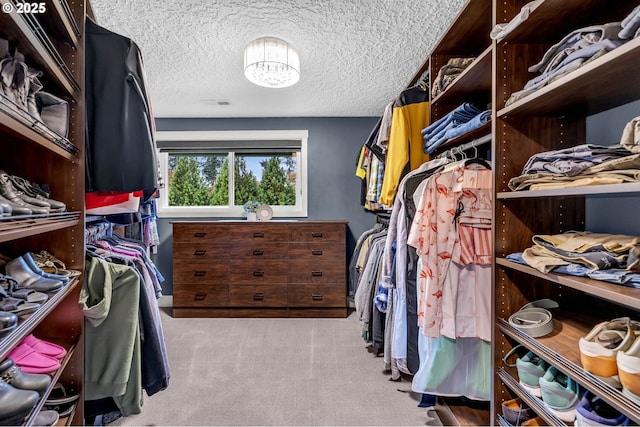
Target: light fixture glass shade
271 62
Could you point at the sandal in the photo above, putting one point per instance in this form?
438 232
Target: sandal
13 289
17 306
60 400
50 264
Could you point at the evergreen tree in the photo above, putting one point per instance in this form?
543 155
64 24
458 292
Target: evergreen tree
211 167
246 183
275 188
187 186
220 193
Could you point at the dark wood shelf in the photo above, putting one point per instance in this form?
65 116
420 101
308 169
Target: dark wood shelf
594 190
551 20
15 28
26 129
60 22
476 78
54 379
588 90
619 294
27 325
533 402
560 349
12 228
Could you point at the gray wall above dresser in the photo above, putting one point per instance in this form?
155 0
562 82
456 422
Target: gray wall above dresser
334 189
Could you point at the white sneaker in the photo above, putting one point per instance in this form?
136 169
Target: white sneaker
598 350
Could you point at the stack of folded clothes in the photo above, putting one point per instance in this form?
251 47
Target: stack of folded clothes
448 73
586 164
578 48
464 118
613 258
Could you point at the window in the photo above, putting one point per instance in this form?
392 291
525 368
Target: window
268 167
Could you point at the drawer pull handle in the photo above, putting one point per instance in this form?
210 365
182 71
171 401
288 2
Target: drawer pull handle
258 297
258 234
317 297
258 273
316 234
199 234
200 252
316 273
258 252
199 273
200 297
316 252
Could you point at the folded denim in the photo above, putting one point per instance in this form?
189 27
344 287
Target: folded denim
574 160
455 131
630 24
463 112
592 34
572 61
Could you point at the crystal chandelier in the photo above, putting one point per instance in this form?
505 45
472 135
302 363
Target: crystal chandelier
271 62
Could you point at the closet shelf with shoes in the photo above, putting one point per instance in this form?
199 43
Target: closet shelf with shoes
16 227
34 43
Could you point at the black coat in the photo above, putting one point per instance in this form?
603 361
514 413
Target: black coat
120 144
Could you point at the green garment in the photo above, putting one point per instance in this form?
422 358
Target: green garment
109 300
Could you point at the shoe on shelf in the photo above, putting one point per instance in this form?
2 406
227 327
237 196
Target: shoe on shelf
629 370
46 418
12 287
537 421
14 209
593 411
598 349
34 267
559 394
51 264
11 374
45 347
35 192
27 278
16 305
530 369
8 322
31 361
15 404
10 193
61 400
516 412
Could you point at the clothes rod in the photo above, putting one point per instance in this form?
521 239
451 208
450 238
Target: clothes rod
464 147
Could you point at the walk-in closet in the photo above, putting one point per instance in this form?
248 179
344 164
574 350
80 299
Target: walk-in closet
279 213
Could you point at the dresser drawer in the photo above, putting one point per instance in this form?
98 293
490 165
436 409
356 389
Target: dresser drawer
200 232
313 251
201 250
317 233
259 250
214 295
200 272
258 233
325 295
258 271
320 271
264 295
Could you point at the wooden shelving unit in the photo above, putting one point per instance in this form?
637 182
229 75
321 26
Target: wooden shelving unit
53 43
554 117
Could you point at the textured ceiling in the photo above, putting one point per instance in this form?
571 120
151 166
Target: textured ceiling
356 55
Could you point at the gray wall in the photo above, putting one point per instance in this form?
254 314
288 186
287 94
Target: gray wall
334 190
619 213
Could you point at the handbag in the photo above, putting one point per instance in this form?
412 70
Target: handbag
54 112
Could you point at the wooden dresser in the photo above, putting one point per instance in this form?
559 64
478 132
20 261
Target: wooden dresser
259 269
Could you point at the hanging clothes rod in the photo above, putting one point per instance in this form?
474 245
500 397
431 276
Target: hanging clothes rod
464 147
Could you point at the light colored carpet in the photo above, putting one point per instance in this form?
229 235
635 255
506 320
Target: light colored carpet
276 372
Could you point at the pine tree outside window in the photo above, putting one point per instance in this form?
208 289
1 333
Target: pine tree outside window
268 167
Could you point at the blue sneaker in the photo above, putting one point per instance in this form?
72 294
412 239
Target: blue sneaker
530 369
559 394
593 411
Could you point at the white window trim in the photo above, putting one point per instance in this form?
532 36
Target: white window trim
297 211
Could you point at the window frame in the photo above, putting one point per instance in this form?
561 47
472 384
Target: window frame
176 140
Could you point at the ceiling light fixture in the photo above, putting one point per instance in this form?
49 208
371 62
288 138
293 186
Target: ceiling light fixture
271 62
